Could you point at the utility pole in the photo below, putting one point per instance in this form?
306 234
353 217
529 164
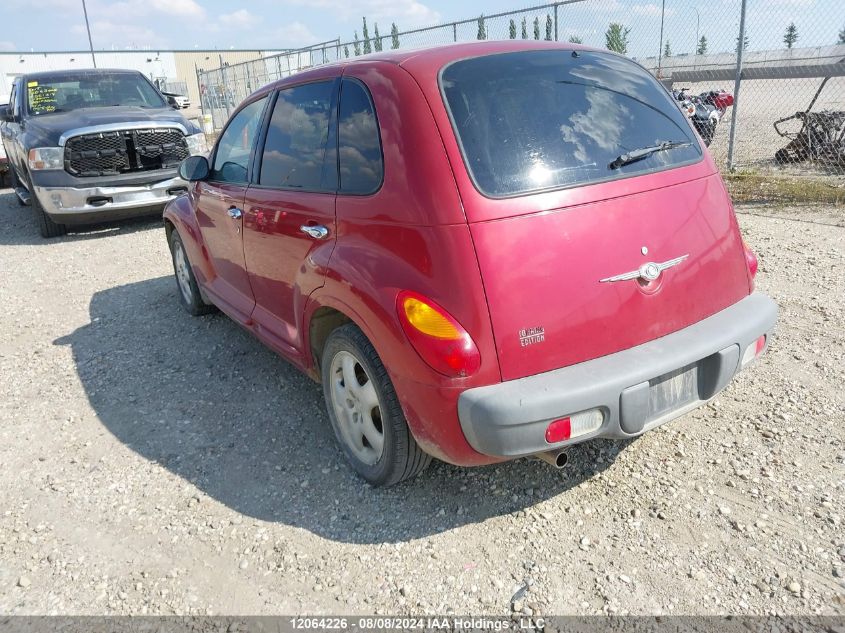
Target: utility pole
660 50
740 45
88 28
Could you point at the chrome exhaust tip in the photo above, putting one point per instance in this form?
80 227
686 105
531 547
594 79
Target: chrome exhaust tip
558 459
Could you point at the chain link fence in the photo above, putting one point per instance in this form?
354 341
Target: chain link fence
787 79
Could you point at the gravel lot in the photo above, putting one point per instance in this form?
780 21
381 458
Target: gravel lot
151 462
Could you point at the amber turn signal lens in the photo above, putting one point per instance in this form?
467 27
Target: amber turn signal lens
428 320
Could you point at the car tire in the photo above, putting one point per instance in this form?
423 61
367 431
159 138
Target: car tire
186 284
365 412
46 226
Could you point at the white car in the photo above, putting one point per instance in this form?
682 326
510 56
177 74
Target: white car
177 101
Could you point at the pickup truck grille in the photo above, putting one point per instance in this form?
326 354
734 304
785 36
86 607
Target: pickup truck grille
124 151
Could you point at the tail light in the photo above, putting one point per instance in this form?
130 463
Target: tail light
750 260
754 350
574 426
436 336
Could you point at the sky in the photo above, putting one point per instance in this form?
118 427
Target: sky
279 24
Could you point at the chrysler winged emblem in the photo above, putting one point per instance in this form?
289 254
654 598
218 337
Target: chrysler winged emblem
648 271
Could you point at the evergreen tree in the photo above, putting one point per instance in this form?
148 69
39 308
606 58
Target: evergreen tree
744 43
536 28
524 29
616 38
574 39
512 30
841 39
376 38
368 47
356 45
549 28
702 46
667 49
346 51
791 35
482 30
394 36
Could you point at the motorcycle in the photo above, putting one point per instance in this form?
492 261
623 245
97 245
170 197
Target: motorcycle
704 110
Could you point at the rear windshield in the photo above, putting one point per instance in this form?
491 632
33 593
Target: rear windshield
88 90
534 120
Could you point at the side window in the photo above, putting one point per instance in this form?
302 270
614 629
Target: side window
295 150
361 166
231 159
13 99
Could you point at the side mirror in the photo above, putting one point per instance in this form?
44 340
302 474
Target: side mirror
194 168
6 114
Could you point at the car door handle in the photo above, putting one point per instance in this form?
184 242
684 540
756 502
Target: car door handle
235 213
317 231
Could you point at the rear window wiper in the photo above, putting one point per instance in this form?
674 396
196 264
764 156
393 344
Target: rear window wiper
644 152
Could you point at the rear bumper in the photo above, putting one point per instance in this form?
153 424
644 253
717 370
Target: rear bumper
70 205
509 419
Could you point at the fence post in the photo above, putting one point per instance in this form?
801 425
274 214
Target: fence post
199 90
454 32
740 46
555 21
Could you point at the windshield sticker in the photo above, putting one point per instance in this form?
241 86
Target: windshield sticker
42 99
32 84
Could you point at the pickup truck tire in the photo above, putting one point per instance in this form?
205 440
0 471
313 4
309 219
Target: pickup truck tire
186 284
46 226
362 404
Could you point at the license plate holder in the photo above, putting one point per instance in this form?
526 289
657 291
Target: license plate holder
672 391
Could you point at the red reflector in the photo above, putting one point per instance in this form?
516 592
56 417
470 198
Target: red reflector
761 343
558 431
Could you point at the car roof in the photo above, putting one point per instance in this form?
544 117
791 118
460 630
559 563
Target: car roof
429 57
45 75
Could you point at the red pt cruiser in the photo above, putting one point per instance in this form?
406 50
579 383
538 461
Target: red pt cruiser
483 251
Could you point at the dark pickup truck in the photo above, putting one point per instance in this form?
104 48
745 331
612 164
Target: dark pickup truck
94 145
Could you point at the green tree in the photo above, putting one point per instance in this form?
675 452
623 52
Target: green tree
377 44
512 30
616 38
841 39
702 46
791 35
394 36
574 39
524 29
356 45
667 49
368 47
744 43
482 30
549 28
536 28
346 51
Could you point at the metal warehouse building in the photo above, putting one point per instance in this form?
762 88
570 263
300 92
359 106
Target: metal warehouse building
173 69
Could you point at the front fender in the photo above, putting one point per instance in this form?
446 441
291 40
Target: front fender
180 213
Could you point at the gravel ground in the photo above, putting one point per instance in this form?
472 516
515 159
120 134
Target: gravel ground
151 462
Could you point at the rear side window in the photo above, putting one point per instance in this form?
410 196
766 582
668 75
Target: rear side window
295 150
361 165
535 120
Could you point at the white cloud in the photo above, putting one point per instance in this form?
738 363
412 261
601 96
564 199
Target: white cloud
106 34
293 35
183 8
238 19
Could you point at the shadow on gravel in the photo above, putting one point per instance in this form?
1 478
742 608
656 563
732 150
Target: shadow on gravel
206 400
20 227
